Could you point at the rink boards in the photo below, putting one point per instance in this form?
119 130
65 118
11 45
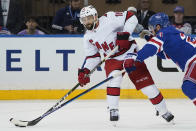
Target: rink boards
46 68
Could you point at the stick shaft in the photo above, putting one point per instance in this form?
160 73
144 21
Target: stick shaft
78 84
88 90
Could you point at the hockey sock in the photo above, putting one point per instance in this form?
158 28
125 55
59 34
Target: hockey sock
113 95
194 101
156 98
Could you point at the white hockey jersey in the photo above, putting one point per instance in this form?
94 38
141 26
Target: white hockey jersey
103 38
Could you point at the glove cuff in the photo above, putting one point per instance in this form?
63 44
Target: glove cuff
85 71
123 35
131 56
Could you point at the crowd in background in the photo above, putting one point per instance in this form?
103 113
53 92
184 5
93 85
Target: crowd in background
66 20
144 14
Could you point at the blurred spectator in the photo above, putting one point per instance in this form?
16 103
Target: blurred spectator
4 31
139 27
31 24
11 15
67 19
144 13
178 21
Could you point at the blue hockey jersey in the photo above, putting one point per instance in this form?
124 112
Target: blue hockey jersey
171 43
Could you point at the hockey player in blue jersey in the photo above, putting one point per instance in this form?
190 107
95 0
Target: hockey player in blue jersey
169 43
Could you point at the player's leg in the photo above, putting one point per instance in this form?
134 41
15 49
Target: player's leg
155 97
189 84
144 82
113 88
113 95
189 89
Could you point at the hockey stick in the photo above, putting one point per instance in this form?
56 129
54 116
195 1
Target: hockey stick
66 95
20 123
78 84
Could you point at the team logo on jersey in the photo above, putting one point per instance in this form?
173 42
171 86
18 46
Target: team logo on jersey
105 46
189 40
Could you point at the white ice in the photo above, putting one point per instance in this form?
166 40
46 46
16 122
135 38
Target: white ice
91 115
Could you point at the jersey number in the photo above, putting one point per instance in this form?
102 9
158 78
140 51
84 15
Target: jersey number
119 14
188 39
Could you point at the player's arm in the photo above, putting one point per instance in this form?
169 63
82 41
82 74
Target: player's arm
91 60
152 48
130 23
147 35
92 55
127 22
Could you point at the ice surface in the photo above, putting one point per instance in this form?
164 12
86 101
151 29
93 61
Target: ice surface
92 115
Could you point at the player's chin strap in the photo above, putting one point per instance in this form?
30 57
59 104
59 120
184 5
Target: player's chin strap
94 24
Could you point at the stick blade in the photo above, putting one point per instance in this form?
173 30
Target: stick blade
19 123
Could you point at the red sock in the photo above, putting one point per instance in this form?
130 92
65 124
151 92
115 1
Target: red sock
156 100
194 102
113 91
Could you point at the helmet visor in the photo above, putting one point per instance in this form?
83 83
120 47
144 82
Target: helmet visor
87 20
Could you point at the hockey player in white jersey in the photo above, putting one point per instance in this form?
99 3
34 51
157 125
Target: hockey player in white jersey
102 35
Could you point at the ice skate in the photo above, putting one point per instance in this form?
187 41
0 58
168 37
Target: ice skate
114 116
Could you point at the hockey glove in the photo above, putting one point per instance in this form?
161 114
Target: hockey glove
83 77
122 41
129 62
146 34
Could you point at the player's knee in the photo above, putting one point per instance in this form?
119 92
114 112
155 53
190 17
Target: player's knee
115 82
153 94
150 91
185 90
189 89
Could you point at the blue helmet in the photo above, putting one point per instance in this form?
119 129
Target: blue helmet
158 19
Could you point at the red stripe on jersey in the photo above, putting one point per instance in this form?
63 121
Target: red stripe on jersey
156 42
161 34
113 91
105 15
157 99
189 65
93 56
129 15
167 57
